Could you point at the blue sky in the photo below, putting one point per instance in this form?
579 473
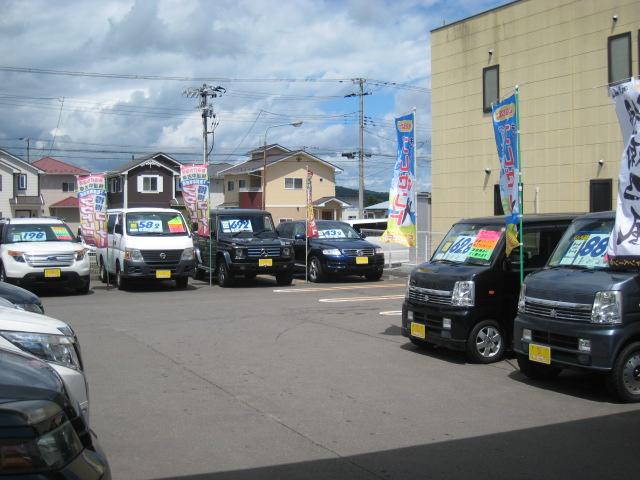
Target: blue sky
278 60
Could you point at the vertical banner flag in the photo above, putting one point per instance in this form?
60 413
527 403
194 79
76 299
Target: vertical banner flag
195 193
624 244
506 132
92 201
312 229
401 223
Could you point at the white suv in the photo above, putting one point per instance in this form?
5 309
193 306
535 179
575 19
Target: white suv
42 252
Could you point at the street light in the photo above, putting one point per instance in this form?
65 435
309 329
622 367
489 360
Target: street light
264 159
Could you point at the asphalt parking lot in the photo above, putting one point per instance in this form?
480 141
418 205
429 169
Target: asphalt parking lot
316 382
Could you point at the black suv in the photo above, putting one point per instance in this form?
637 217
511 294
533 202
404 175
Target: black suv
337 249
244 242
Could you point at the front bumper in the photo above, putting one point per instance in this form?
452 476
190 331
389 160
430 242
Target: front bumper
38 279
77 387
251 266
562 338
23 274
183 268
348 265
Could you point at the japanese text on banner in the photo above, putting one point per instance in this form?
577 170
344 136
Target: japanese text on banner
312 229
92 201
195 193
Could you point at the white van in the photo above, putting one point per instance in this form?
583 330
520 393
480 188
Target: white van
146 243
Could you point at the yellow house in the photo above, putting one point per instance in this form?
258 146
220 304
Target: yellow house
286 173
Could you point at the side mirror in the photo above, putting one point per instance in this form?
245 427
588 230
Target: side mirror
79 239
300 236
363 235
118 229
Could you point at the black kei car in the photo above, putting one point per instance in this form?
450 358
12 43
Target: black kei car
466 296
581 313
42 436
338 249
242 242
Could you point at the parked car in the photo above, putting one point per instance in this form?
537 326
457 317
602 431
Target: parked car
52 341
466 296
580 313
41 252
338 249
243 242
43 436
21 298
146 243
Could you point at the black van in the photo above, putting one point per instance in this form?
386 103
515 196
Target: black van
581 313
466 296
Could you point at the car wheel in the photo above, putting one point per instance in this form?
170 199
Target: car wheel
486 342
198 274
182 282
537 371
121 283
316 274
84 289
284 279
225 277
103 272
373 277
624 380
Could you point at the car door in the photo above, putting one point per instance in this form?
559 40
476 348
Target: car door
110 260
300 244
116 255
207 244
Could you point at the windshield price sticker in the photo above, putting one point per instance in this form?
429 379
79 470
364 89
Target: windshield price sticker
587 249
459 251
176 225
61 233
331 233
236 225
146 226
484 244
29 237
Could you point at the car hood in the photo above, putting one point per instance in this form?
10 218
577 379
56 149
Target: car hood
23 377
17 295
341 244
443 276
21 321
44 247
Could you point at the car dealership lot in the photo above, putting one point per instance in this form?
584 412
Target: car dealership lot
311 381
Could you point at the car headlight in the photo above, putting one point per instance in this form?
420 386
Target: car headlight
464 294
31 307
240 253
607 308
187 254
133 254
379 250
79 254
286 251
58 349
16 255
521 298
332 252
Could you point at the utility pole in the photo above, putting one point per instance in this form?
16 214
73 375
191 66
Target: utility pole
204 92
28 140
360 94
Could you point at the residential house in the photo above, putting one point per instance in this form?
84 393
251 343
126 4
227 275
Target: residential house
19 187
58 189
349 212
216 183
379 210
285 184
149 181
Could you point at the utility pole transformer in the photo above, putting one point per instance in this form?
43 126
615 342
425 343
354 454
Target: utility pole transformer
204 92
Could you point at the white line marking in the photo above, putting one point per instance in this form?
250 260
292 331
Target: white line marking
329 289
359 299
392 313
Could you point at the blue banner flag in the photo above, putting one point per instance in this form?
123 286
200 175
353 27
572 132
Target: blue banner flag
506 132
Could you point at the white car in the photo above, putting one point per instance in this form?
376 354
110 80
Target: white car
50 340
42 252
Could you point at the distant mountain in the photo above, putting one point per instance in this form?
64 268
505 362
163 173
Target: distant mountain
370 197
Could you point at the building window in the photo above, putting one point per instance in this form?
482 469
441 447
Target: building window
115 185
68 187
178 184
619 57
22 181
490 87
292 183
497 201
242 183
230 186
150 184
600 195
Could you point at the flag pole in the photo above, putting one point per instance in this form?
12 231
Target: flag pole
520 186
415 177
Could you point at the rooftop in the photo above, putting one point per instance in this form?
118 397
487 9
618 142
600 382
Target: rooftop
56 167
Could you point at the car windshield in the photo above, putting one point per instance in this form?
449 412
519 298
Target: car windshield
336 231
246 225
38 232
155 223
583 245
472 244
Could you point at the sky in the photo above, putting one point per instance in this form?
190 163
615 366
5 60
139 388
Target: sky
279 61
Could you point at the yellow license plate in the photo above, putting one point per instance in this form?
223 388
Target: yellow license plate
52 273
540 354
265 262
163 273
362 260
417 330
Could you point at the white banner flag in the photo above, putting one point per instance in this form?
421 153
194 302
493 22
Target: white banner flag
624 243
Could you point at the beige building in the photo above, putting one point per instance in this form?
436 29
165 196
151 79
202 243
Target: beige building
19 188
285 186
561 53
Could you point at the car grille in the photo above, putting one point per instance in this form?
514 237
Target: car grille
579 312
50 260
419 295
359 252
154 257
554 340
263 252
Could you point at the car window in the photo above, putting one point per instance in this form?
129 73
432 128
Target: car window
38 232
538 245
298 229
111 222
286 230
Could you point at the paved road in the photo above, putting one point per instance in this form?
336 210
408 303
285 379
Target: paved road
312 382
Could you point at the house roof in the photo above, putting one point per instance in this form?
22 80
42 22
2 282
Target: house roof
69 202
56 167
321 202
8 158
257 164
268 147
138 161
26 200
379 206
215 168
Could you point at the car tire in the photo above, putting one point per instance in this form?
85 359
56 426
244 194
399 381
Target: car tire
537 371
198 274
486 342
182 282
624 380
284 279
316 273
84 288
103 272
121 283
225 277
373 277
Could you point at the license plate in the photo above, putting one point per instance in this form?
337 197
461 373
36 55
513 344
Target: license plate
163 273
265 262
362 260
52 273
540 354
417 330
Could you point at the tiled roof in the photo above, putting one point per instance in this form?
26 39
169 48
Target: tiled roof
51 165
214 168
70 202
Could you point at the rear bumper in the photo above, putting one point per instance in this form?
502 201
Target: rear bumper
184 268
